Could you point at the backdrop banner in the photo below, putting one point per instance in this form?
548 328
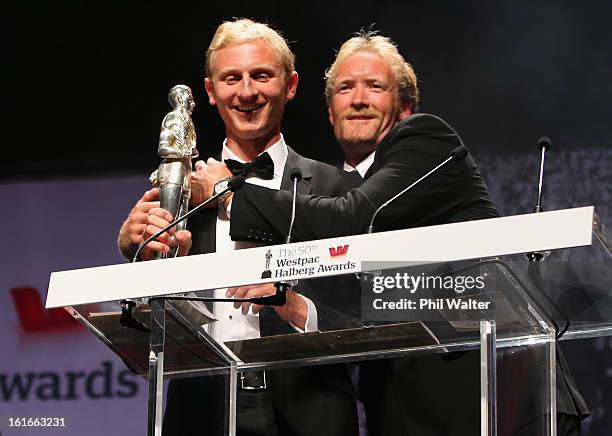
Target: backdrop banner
50 366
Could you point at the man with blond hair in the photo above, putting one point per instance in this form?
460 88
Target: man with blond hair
250 76
429 395
358 151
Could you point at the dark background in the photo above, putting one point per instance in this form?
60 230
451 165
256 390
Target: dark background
88 85
92 79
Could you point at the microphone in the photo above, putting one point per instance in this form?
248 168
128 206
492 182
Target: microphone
456 154
280 297
544 144
295 177
127 319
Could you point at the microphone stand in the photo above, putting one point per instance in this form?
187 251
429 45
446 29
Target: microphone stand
127 306
457 154
233 185
278 299
534 257
544 144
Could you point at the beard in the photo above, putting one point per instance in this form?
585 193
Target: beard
362 131
358 141
359 134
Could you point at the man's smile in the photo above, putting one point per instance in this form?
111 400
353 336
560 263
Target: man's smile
363 115
360 118
249 109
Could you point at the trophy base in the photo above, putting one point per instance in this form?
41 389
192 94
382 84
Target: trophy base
266 274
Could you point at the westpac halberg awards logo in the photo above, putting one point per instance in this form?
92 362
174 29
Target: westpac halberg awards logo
267 273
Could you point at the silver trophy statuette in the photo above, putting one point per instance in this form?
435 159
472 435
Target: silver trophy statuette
177 147
177 138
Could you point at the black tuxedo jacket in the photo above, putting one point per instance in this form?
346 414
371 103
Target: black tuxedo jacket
456 193
298 395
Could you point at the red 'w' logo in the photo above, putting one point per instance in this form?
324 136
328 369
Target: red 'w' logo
338 251
33 317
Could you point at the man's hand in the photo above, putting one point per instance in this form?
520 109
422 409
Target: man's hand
157 219
295 310
204 178
130 234
139 225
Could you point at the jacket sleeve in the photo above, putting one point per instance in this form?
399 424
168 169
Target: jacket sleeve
257 211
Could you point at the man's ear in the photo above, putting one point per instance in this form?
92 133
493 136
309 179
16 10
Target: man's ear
405 110
292 84
330 115
210 91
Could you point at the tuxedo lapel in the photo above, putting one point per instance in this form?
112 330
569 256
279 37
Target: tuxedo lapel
203 226
210 244
206 228
294 160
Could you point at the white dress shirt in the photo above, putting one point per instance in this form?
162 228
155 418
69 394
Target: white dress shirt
362 167
232 324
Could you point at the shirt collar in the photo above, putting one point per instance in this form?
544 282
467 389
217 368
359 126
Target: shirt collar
278 153
363 166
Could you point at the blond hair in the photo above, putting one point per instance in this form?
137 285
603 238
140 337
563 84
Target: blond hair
382 46
243 30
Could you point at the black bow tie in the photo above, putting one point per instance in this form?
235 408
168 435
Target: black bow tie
261 167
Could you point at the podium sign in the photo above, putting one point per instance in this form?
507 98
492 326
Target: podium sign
512 317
